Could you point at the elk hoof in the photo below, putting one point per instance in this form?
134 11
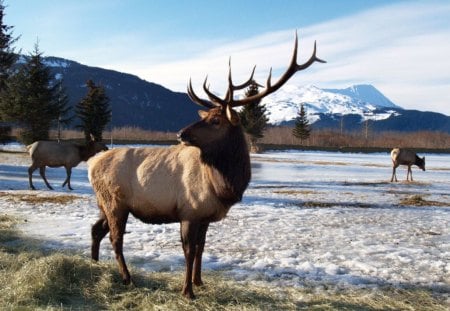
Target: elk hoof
188 293
198 283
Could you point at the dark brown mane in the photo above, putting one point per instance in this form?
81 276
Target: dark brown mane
419 161
230 163
89 149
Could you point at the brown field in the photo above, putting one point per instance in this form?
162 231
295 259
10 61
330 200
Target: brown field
281 138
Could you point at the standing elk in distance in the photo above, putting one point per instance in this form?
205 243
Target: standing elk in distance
55 154
405 157
193 183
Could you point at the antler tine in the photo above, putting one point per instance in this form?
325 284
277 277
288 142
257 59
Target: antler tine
230 90
311 60
232 87
292 69
212 97
197 99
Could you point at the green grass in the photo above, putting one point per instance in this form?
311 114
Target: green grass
33 278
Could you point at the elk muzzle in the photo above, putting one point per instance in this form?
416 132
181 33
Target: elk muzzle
184 137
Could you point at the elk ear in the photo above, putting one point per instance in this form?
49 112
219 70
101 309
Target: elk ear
203 114
232 116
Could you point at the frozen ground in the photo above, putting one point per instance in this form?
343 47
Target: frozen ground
308 219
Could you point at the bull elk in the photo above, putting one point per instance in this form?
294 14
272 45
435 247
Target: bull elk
405 157
193 183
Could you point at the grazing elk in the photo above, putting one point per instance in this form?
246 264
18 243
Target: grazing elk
193 183
405 157
55 154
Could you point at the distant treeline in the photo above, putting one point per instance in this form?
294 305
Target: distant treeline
282 138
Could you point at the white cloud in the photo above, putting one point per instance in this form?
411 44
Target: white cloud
402 49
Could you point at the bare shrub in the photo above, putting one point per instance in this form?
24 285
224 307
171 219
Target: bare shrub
333 138
282 135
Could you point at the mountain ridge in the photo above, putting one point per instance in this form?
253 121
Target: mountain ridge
139 103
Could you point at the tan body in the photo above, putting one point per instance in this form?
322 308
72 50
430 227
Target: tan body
157 185
405 157
56 154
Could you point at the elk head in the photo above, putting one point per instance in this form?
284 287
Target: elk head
221 118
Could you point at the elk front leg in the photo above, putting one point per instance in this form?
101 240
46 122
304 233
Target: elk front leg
117 223
189 236
198 254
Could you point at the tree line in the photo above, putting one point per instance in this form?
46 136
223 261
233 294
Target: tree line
254 120
35 100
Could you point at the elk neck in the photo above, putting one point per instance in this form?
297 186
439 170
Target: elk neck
86 151
229 166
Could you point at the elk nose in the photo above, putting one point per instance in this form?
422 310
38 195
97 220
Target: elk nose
180 135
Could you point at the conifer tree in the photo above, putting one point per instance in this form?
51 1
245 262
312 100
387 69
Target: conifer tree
8 58
302 129
33 100
253 118
94 111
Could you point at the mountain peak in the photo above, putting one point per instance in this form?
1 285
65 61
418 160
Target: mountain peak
363 100
366 93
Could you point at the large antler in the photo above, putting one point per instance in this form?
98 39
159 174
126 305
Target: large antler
229 98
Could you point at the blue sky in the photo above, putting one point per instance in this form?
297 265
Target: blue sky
401 47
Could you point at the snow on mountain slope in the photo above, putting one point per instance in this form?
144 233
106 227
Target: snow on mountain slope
365 93
361 100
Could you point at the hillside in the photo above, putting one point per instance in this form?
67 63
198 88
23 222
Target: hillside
134 102
139 103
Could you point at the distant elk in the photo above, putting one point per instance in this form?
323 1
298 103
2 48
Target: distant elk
56 154
193 183
405 157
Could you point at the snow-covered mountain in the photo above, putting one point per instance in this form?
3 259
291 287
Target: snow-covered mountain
363 100
139 103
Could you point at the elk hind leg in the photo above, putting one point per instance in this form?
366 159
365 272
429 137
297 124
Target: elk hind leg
394 175
98 232
67 181
42 173
31 169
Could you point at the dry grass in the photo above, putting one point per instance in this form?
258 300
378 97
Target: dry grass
417 200
334 138
282 136
127 133
38 198
295 192
34 279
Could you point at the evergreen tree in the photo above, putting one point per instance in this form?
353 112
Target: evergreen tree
302 129
253 118
7 60
94 111
33 100
8 57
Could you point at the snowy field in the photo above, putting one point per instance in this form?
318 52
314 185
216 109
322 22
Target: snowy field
308 219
